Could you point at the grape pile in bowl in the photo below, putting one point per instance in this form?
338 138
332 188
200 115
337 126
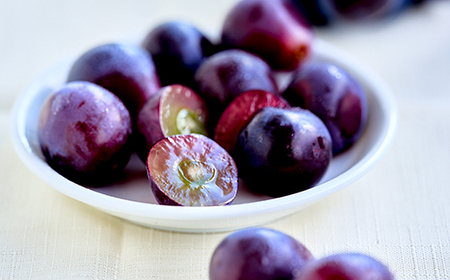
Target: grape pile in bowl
207 117
225 127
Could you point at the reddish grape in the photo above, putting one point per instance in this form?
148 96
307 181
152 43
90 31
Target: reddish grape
346 266
272 29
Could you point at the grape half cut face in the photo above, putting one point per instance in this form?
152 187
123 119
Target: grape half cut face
191 170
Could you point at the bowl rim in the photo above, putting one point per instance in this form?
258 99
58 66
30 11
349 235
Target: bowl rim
147 210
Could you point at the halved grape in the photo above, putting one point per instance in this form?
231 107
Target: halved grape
191 170
175 109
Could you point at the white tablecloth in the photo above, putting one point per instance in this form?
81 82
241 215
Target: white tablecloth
399 212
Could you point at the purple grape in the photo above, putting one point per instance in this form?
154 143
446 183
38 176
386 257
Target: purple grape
335 97
177 49
283 151
258 254
84 133
272 29
127 71
315 11
357 8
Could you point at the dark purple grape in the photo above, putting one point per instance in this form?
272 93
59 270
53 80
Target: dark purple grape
327 12
191 170
258 254
127 71
177 49
346 266
364 9
283 151
83 132
272 29
226 74
415 2
315 11
334 96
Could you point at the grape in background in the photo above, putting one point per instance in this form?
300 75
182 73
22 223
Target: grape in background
328 12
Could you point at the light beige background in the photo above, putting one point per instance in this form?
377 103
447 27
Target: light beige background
399 212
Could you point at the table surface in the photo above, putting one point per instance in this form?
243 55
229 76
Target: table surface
399 212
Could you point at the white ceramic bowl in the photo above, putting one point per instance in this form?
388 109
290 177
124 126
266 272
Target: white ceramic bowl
133 200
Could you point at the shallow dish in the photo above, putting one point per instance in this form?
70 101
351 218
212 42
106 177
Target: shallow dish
132 199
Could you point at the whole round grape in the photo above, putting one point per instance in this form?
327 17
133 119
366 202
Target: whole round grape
127 71
335 97
178 49
84 133
273 29
283 151
346 266
258 254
